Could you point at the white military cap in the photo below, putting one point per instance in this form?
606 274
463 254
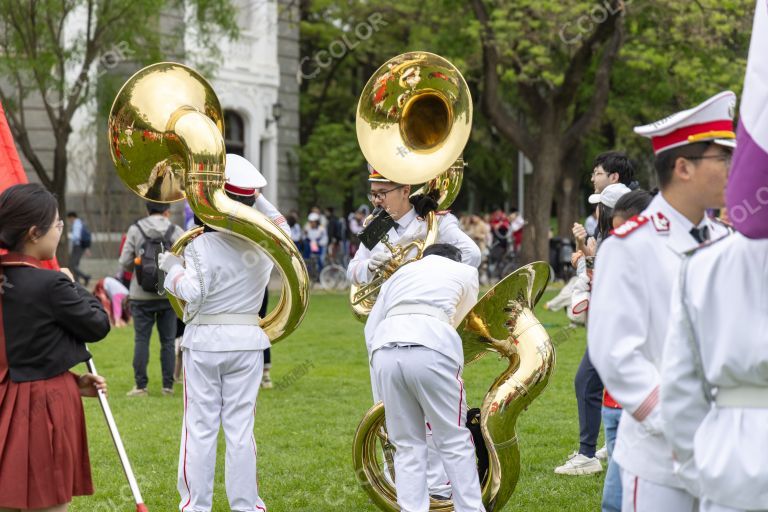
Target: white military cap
242 177
709 121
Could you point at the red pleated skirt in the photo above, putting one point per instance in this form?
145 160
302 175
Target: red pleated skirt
43 445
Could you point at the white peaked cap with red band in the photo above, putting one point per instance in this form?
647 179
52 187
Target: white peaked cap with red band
710 121
242 177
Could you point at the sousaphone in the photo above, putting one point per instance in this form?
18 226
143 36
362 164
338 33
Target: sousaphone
413 120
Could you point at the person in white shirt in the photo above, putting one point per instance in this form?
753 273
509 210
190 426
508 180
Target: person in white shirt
417 359
630 309
395 199
317 238
222 278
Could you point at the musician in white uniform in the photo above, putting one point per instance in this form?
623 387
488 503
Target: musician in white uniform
634 273
394 198
717 423
417 359
222 278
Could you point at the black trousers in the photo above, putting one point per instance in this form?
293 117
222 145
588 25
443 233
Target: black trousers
74 264
147 313
262 314
589 398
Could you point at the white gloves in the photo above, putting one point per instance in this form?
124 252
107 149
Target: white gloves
378 259
167 260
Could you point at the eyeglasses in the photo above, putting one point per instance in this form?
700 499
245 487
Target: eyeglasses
595 174
381 196
722 157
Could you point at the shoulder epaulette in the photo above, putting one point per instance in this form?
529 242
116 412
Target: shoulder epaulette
630 226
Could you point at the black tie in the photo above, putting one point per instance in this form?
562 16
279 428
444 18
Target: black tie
397 228
700 234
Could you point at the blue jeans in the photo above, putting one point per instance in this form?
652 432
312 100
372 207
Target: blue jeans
612 484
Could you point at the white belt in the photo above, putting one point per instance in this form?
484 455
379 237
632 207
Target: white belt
419 309
226 319
745 397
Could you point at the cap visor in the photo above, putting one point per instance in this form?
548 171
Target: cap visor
728 143
594 199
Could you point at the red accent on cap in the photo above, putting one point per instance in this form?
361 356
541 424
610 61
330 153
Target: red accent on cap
662 142
239 191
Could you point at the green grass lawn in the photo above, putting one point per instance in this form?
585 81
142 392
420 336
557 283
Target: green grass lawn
304 427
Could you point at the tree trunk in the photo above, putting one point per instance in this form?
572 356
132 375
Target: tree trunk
60 161
538 198
568 197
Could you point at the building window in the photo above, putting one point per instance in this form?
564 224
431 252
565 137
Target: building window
234 133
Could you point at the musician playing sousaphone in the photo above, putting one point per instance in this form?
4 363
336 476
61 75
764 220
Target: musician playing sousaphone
409 215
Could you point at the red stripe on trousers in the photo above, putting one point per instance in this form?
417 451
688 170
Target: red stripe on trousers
186 437
634 498
461 392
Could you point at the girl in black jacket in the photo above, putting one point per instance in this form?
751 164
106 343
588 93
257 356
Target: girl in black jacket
45 321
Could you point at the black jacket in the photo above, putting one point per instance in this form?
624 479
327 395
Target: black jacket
47 319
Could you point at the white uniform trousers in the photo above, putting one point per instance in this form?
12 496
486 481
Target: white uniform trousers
640 495
710 506
416 383
220 388
437 478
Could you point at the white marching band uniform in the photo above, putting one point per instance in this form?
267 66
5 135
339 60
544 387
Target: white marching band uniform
720 446
222 281
634 274
411 227
635 271
416 360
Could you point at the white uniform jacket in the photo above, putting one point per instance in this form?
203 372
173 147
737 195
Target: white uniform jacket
222 274
268 209
411 228
721 451
635 270
434 281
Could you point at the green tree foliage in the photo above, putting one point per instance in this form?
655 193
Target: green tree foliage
559 81
51 51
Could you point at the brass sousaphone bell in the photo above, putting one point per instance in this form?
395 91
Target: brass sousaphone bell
166 140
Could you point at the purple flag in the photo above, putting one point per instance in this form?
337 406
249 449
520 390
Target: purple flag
747 194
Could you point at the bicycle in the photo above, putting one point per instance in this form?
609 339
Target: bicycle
334 274
501 262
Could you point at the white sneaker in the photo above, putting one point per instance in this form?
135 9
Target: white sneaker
602 453
578 464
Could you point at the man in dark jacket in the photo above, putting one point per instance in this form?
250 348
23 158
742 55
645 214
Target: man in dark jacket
148 308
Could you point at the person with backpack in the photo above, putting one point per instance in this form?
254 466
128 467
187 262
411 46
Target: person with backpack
145 239
80 237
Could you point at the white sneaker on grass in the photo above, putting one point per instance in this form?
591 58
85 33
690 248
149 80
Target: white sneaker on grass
578 464
602 453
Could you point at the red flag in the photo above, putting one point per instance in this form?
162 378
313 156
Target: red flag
11 170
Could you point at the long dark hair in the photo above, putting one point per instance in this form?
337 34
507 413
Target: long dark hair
633 203
24 206
604 221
